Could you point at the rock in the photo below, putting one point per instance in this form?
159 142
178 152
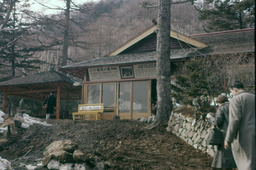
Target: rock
190 134
79 156
18 120
190 142
211 152
5 164
188 127
176 128
62 156
46 160
180 130
195 146
194 137
66 145
169 129
3 141
142 119
150 119
203 134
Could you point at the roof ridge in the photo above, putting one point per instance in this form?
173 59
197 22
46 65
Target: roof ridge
222 32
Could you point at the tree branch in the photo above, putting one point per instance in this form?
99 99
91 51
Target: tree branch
8 14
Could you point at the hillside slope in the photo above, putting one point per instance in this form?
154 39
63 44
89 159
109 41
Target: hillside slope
115 144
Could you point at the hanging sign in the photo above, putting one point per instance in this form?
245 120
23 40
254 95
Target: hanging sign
104 73
145 70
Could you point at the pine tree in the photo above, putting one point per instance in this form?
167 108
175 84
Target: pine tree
190 83
228 14
16 48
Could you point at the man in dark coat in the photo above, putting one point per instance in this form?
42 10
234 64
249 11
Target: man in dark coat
241 127
223 158
48 104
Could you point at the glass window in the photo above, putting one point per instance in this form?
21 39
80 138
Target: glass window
124 97
93 94
108 95
140 97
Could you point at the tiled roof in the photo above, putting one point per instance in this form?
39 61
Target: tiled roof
129 58
228 42
38 78
225 42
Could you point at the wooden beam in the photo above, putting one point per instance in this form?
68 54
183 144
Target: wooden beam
187 39
31 91
116 111
149 96
58 103
151 30
131 99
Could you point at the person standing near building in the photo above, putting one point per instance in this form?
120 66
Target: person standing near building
241 128
48 104
223 159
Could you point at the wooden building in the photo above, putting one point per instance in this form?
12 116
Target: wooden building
37 86
125 80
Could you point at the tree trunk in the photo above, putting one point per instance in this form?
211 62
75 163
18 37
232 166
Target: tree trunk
163 62
66 35
13 38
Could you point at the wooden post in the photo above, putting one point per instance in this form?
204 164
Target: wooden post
84 92
149 96
58 103
4 102
131 99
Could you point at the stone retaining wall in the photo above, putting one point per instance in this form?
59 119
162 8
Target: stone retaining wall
193 132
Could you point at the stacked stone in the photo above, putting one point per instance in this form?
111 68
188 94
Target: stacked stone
63 155
149 119
194 132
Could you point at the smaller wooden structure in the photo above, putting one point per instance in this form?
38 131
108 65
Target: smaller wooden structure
89 109
38 85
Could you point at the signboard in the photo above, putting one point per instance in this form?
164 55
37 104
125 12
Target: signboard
97 107
104 73
145 70
127 72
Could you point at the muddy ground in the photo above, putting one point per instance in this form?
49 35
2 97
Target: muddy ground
117 144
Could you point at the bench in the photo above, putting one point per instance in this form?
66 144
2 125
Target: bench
89 109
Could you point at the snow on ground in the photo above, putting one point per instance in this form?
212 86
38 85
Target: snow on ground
2 116
4 164
53 164
28 121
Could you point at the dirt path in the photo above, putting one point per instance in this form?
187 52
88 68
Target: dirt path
116 144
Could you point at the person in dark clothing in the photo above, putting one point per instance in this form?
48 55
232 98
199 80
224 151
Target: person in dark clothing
48 104
154 110
223 158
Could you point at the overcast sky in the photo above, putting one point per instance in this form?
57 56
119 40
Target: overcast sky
53 4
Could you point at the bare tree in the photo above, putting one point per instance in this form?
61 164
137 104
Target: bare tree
66 34
163 64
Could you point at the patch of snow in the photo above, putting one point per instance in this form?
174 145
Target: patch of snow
28 121
1 116
31 167
3 129
5 164
54 164
177 105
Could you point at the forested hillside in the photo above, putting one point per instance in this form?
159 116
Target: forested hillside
95 29
31 41
111 23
